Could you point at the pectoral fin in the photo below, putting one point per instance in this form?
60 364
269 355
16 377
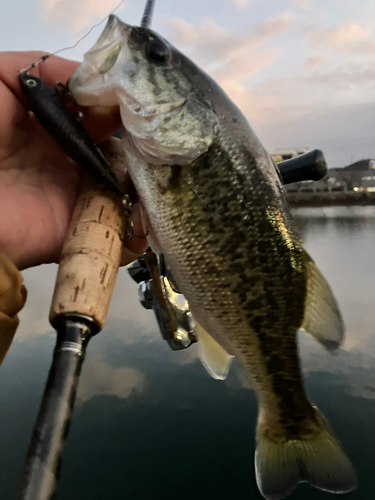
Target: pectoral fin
322 317
214 358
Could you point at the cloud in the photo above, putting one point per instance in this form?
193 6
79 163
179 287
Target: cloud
212 46
241 4
273 26
100 379
232 59
344 85
355 361
366 47
317 110
240 67
185 356
342 36
346 78
314 62
206 43
127 320
302 3
76 13
40 283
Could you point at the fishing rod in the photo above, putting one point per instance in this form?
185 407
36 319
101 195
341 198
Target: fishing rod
147 14
86 277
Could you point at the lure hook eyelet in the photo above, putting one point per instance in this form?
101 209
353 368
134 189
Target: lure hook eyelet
31 83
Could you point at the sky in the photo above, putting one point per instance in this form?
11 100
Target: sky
302 71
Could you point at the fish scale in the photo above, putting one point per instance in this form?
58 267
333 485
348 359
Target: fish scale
215 207
219 237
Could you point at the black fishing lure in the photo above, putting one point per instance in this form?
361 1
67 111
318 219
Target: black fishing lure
66 130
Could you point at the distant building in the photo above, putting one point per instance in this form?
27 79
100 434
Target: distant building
361 165
308 186
338 180
365 181
360 176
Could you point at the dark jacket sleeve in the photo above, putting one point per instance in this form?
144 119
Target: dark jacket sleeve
12 299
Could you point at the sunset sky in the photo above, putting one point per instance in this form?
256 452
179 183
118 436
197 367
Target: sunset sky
302 71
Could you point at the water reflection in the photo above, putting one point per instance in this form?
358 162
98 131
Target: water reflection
150 423
102 379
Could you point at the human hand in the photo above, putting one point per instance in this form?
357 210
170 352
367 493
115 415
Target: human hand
38 183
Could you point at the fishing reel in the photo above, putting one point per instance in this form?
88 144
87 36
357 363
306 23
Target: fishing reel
157 290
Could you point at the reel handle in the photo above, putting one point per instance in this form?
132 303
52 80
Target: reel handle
311 166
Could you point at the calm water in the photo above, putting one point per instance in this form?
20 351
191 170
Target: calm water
150 423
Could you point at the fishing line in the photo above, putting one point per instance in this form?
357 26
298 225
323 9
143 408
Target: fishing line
90 30
47 56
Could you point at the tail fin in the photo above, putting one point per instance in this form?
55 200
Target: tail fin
318 460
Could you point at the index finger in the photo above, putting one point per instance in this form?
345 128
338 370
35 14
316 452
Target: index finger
54 69
100 122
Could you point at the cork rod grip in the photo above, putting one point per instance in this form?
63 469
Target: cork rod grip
92 250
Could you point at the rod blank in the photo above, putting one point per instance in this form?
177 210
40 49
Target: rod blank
147 14
47 443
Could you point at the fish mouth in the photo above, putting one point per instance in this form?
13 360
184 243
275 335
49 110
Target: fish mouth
88 80
102 80
113 26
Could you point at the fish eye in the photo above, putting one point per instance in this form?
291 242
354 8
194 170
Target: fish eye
157 52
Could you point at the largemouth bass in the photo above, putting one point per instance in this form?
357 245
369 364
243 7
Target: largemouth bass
215 207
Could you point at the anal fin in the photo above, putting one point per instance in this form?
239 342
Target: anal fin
214 358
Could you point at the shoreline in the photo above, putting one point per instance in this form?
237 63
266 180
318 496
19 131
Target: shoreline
331 199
